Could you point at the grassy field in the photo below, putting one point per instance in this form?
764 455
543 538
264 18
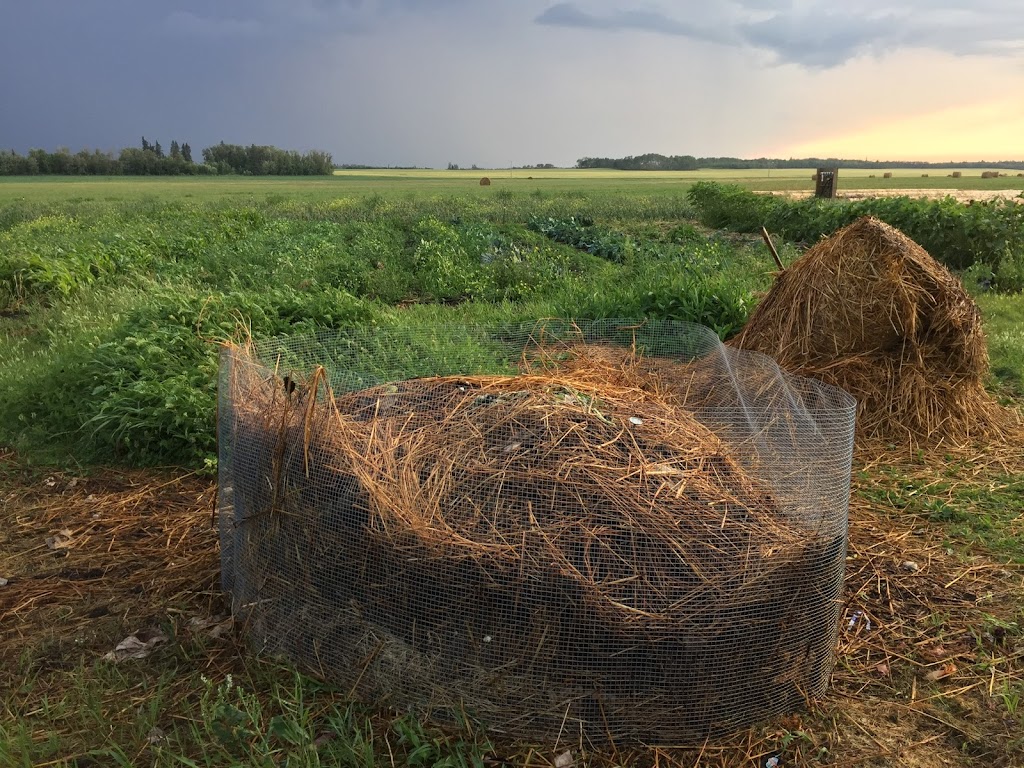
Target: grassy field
360 183
113 295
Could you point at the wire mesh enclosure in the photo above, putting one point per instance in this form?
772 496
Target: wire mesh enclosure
616 530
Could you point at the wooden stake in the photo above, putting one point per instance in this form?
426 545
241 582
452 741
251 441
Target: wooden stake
771 247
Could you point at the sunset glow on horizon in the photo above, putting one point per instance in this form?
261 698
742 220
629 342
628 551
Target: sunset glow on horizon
984 132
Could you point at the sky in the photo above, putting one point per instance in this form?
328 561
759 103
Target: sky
519 82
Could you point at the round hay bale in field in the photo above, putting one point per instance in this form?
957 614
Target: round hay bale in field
870 311
485 182
887 175
580 543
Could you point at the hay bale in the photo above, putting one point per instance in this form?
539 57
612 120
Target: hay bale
870 311
485 182
924 175
887 175
571 544
990 174
957 174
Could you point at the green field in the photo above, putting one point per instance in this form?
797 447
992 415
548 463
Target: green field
359 183
114 293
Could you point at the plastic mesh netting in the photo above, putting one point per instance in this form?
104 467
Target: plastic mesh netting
625 531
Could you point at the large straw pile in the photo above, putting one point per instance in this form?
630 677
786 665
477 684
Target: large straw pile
870 311
546 551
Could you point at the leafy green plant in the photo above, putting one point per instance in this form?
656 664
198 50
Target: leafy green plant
959 235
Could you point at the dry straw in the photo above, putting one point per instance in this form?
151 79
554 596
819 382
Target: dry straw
569 547
870 311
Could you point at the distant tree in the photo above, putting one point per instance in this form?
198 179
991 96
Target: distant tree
186 152
453 166
175 150
145 144
157 149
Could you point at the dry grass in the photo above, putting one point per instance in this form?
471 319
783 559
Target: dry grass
868 310
610 539
956 618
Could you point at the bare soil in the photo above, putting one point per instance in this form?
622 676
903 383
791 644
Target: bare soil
960 195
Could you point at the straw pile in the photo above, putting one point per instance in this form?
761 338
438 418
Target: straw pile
538 549
868 310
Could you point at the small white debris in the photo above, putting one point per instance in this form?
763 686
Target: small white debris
910 566
859 618
135 647
771 762
50 482
564 760
156 735
59 540
4 582
487 638
636 421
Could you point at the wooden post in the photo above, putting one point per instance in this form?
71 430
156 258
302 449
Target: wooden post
826 182
771 247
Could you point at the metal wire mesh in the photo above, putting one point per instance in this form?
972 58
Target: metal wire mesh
620 530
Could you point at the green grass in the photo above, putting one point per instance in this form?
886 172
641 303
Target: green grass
50 190
108 350
1004 326
165 713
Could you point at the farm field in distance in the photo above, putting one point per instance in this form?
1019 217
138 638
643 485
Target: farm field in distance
520 180
114 293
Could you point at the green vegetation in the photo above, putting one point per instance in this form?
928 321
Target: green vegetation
114 294
655 162
112 311
985 236
150 160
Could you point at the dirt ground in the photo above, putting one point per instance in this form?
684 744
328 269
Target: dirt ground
960 195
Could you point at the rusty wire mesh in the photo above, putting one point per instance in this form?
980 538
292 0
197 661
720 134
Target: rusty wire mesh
624 531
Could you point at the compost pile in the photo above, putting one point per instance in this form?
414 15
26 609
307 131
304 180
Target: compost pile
870 311
571 547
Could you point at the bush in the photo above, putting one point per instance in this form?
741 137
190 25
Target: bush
956 234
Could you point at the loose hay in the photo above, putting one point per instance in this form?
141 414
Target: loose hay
868 310
572 547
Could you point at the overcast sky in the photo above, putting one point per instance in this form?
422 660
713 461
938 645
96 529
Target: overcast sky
499 82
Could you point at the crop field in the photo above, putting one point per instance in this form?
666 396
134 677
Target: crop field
520 181
114 296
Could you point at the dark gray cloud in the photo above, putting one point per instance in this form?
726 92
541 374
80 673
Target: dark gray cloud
569 15
821 34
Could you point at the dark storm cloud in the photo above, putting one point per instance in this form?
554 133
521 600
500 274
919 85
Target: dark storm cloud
822 34
284 20
103 73
825 41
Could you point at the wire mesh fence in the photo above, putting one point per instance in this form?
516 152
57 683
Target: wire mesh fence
620 530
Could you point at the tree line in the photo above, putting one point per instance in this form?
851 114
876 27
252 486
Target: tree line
656 162
151 160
